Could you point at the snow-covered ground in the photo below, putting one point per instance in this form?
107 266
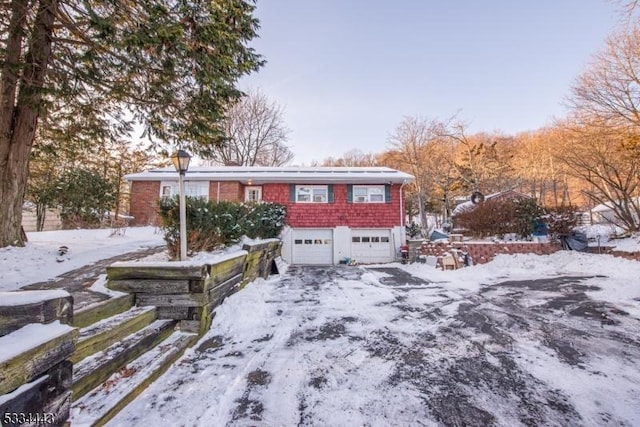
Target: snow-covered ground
524 340
39 260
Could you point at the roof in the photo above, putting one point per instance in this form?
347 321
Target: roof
262 175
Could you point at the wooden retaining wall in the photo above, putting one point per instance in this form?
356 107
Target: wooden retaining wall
190 291
36 343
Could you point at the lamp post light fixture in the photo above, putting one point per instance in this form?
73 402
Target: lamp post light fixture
180 160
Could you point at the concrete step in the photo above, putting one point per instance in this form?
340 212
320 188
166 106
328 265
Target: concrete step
103 402
104 333
95 369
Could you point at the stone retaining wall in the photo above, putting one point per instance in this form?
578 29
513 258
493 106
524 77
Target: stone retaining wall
483 252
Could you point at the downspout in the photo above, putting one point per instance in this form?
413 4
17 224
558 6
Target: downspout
218 194
401 203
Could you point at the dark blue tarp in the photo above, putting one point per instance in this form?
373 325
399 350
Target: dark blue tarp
574 242
436 235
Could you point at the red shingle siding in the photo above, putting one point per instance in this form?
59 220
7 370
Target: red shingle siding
144 202
338 213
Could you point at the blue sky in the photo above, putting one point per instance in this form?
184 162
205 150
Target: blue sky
347 72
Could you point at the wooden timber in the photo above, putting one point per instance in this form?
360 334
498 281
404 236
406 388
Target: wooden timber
100 335
44 307
92 371
96 312
140 270
50 394
35 361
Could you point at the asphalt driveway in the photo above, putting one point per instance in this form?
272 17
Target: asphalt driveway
351 346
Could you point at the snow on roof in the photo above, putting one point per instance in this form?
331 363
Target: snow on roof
261 175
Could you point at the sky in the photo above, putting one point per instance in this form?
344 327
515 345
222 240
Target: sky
347 72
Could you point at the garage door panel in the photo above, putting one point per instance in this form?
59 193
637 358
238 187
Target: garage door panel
371 245
312 246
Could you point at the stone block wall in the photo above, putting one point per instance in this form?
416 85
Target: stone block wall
483 252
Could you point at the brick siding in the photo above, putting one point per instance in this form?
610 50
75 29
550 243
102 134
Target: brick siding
144 202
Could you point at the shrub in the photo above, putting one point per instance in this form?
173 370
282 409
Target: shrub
561 220
211 225
497 217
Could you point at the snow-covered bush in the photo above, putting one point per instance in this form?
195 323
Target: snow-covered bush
211 225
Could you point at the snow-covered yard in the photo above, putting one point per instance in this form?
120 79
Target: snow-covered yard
39 260
523 340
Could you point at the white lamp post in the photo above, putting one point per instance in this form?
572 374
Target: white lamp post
180 161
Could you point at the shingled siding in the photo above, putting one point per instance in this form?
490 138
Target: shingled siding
145 195
337 213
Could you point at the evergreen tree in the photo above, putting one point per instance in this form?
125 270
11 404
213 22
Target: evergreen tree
89 70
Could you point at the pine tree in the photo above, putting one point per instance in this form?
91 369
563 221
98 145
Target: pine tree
90 69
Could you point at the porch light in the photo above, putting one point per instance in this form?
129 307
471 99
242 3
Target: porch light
180 160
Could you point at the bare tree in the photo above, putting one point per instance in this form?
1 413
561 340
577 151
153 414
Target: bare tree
255 134
608 90
602 159
419 148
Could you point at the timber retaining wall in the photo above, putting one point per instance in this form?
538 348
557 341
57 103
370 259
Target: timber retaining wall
190 291
37 339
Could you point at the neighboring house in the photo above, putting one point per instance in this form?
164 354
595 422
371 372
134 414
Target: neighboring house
605 214
332 213
52 219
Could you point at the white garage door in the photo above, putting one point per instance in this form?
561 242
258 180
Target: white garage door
312 246
371 246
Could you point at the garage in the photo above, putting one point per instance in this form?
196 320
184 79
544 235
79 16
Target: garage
312 246
370 246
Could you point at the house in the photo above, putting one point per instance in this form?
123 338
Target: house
333 213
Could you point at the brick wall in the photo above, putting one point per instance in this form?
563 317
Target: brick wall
230 191
338 213
484 252
144 202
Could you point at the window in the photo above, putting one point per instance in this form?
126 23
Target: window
191 189
311 193
252 194
368 194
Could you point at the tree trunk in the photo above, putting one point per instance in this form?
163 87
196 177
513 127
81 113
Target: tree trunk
18 129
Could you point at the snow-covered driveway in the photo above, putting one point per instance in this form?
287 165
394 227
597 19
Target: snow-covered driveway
346 346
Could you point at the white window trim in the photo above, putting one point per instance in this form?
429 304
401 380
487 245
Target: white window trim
312 187
380 188
200 188
248 189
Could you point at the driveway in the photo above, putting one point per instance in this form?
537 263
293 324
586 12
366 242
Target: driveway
350 346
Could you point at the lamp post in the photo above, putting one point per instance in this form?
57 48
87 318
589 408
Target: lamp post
180 161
